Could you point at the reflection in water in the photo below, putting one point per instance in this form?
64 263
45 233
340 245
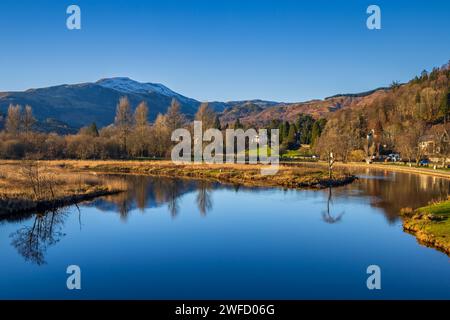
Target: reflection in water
145 192
326 215
174 193
385 190
392 191
204 201
32 241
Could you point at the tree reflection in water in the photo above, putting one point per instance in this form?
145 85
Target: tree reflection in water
392 191
33 241
388 191
204 198
326 215
145 192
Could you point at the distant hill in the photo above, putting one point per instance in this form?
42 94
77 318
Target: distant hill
357 95
66 108
80 104
250 113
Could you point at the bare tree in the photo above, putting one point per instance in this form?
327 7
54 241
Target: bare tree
33 241
28 119
13 119
407 142
160 137
38 180
442 142
141 130
207 116
123 121
204 199
174 119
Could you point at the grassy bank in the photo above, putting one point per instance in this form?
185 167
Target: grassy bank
302 176
430 225
37 186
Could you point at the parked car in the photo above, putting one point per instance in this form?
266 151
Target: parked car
424 162
393 157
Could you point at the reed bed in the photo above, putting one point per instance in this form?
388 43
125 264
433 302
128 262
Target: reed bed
35 185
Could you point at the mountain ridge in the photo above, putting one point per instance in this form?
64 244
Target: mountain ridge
78 105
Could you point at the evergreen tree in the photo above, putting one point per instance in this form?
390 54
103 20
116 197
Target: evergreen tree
292 138
286 129
305 124
238 125
315 133
281 132
217 124
317 130
93 130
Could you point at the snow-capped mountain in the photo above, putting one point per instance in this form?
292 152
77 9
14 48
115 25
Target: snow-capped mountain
81 104
127 85
78 105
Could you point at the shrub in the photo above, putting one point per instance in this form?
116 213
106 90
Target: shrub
357 156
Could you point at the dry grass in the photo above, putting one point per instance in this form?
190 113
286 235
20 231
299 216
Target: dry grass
26 186
29 185
300 176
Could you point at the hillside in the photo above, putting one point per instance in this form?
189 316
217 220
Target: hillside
66 108
80 104
411 119
250 113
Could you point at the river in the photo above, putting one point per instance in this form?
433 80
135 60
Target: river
181 239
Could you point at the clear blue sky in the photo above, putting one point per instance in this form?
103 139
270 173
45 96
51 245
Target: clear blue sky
224 50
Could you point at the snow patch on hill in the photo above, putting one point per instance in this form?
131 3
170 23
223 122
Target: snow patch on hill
127 85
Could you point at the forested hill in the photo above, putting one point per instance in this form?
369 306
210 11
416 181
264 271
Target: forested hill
397 119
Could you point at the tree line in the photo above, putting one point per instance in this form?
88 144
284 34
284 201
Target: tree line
130 136
395 120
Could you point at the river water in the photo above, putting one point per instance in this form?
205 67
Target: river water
181 239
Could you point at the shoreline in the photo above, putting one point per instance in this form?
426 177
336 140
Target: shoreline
38 186
426 239
299 177
395 168
430 225
10 207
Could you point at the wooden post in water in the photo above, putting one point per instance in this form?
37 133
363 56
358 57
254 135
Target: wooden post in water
330 165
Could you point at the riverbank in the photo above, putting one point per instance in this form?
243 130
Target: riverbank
27 186
398 168
299 177
441 173
430 225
